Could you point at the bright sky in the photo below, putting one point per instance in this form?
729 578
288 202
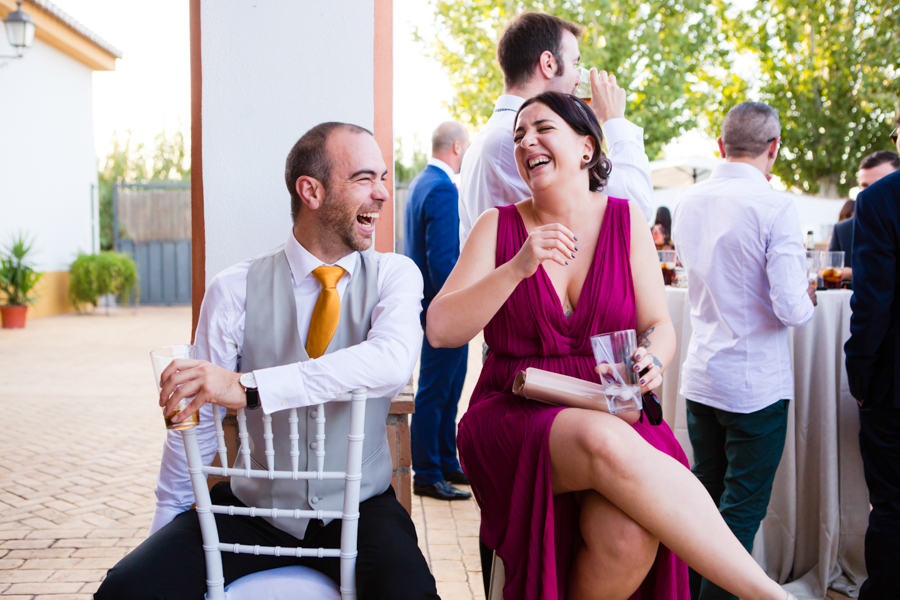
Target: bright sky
150 91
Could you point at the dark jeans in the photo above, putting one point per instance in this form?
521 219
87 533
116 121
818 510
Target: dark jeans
170 564
735 458
442 372
879 443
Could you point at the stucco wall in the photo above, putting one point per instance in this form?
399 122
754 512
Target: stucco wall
47 159
270 71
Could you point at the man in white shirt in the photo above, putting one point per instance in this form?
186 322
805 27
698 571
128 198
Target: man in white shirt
741 245
537 53
257 316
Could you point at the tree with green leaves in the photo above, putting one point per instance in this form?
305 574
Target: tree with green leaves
664 53
404 172
830 68
127 163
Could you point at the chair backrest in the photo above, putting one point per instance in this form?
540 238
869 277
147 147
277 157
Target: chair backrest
352 477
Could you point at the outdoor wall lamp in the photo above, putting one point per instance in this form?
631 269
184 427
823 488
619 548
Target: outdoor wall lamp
19 30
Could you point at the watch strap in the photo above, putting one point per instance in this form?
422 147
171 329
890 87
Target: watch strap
252 398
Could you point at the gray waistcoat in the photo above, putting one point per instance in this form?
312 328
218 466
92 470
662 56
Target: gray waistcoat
271 339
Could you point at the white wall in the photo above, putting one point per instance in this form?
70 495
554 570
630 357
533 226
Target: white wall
47 160
271 71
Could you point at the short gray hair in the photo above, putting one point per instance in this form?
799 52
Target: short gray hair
748 129
447 134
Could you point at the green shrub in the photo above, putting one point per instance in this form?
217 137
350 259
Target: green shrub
94 275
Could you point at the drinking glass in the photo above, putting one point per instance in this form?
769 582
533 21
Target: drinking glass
583 90
667 261
614 353
831 265
161 357
812 265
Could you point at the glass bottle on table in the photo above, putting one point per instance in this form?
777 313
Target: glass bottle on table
810 241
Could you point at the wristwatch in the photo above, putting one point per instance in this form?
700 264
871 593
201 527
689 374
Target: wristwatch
248 382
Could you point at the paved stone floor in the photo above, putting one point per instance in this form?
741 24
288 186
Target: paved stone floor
81 444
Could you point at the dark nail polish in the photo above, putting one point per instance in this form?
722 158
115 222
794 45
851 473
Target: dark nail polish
567 262
573 254
575 237
642 382
576 248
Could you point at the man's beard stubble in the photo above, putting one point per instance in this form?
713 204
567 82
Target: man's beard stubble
341 220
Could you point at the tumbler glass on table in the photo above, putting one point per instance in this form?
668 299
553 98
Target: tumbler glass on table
831 265
161 357
812 265
583 91
614 353
667 262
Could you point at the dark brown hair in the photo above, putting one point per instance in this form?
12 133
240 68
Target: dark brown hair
523 41
309 157
879 158
581 118
847 210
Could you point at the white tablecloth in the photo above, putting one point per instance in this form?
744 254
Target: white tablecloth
812 536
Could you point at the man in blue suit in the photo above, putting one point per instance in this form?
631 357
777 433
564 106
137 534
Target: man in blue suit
432 240
873 367
872 168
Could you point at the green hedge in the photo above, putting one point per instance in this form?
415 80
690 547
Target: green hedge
94 275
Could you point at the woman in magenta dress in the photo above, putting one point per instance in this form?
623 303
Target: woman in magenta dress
577 503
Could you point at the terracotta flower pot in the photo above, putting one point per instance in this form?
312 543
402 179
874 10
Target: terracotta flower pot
13 317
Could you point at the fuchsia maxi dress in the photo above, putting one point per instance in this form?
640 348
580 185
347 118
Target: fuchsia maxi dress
504 439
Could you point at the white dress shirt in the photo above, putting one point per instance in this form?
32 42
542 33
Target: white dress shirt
741 245
383 363
489 178
436 162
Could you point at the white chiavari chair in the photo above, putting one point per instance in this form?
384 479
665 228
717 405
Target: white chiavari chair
249 587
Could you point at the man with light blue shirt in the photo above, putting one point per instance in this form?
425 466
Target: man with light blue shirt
741 245
537 53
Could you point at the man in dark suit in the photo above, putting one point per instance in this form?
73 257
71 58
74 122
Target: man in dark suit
432 240
871 169
873 367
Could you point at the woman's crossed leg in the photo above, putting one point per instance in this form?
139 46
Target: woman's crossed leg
591 450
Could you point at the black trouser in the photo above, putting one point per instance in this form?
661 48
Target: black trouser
736 457
879 444
170 564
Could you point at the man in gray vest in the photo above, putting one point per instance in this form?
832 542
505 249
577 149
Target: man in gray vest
315 318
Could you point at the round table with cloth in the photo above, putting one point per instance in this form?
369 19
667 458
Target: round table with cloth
813 535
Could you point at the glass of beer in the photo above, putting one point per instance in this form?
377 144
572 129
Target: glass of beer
614 353
667 262
583 90
831 265
161 357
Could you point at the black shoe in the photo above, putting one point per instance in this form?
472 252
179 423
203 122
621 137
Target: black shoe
457 477
440 490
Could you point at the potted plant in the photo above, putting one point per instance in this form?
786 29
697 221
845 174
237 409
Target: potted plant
17 279
92 276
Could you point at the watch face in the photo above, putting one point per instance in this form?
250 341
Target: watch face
248 380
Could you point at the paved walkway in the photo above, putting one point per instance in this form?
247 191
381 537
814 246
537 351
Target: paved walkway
81 444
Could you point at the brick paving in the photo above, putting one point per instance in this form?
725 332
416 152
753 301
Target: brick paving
81 446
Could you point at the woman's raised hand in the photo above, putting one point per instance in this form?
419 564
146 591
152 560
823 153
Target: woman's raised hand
548 242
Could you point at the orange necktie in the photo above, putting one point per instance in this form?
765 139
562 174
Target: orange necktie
327 312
